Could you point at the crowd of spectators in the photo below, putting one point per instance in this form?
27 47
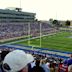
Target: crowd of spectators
15 59
11 30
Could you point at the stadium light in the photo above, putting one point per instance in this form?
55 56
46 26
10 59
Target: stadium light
20 3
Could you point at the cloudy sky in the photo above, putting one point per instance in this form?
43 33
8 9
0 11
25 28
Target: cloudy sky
44 9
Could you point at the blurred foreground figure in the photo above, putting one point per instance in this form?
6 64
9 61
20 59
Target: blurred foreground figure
70 68
37 68
68 61
16 61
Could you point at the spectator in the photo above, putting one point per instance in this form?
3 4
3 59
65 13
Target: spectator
52 68
37 68
4 53
32 64
45 66
68 61
16 61
70 68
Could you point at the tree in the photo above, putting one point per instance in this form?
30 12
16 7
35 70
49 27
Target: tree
50 20
36 20
56 23
67 24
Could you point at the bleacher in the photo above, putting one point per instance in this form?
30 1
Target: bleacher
11 30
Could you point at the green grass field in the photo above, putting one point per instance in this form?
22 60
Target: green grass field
59 41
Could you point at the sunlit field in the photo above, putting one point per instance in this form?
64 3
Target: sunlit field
60 41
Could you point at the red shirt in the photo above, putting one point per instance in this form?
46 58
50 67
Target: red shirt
63 68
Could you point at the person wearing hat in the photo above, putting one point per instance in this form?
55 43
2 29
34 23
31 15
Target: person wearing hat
16 61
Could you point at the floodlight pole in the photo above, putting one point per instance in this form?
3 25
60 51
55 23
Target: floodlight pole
20 3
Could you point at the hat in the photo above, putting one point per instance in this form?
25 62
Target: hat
17 60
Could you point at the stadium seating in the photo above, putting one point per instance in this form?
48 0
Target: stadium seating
11 30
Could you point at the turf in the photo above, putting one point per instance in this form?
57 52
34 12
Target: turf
58 41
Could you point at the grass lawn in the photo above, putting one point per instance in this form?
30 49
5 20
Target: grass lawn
59 41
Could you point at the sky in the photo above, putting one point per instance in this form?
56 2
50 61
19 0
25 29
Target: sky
44 9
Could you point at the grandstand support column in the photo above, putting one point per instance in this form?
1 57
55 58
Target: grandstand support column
29 34
40 33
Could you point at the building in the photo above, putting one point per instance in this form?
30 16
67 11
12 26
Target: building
16 15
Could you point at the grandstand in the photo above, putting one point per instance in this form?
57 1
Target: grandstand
12 30
15 15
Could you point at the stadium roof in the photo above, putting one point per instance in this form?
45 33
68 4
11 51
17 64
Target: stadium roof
15 11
